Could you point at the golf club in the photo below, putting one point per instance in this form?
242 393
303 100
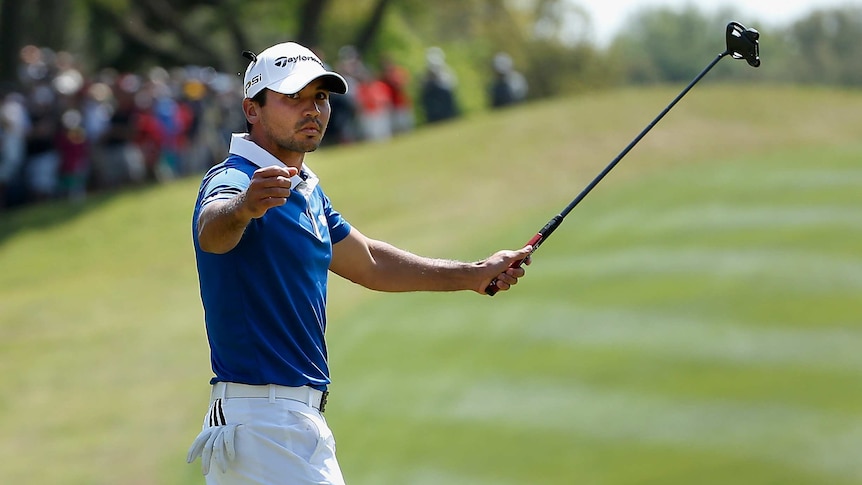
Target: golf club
742 43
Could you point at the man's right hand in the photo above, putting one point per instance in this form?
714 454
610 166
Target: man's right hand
269 187
222 222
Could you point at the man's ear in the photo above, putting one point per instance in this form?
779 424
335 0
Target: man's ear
251 110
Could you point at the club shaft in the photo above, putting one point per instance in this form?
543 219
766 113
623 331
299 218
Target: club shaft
637 139
555 222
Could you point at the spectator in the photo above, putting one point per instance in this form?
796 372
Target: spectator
96 110
221 117
375 107
397 79
14 125
74 155
193 101
172 120
71 136
35 65
117 159
438 88
41 169
344 121
509 86
149 134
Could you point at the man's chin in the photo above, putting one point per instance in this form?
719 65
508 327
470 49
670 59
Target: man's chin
313 145
303 146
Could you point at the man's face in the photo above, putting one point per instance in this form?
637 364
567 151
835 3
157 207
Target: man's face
295 122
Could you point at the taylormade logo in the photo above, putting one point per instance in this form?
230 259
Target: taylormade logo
283 61
252 82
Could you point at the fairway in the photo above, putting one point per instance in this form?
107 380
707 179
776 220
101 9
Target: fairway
696 319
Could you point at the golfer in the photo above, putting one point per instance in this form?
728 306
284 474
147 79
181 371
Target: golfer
265 237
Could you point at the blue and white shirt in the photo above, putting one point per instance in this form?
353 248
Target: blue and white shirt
265 300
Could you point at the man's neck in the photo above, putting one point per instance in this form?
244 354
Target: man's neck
288 157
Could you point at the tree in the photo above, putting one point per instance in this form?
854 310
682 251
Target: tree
660 38
312 14
371 27
826 47
136 34
667 45
199 32
11 13
46 23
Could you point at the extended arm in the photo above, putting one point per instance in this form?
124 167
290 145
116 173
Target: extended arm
380 266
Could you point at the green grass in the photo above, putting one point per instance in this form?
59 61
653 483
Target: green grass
695 320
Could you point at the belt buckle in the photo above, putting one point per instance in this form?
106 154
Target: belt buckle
323 400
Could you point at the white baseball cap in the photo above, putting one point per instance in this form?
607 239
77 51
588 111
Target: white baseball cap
287 68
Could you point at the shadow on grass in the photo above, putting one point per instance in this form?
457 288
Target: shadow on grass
47 214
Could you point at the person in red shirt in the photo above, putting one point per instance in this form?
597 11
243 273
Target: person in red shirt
397 79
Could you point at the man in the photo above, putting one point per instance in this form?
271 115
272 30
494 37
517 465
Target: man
265 238
508 86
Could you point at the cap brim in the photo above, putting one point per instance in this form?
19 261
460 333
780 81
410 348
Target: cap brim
294 84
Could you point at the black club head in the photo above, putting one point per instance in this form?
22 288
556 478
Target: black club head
743 43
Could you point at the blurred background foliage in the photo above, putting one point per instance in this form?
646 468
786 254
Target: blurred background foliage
551 41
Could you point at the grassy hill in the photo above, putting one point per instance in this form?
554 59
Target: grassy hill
697 319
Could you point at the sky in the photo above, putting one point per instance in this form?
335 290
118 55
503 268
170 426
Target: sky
609 15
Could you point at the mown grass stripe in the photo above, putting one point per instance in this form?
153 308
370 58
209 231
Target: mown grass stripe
668 332
792 436
796 270
677 335
794 179
725 217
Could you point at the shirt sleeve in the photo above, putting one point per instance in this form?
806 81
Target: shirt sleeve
339 228
225 185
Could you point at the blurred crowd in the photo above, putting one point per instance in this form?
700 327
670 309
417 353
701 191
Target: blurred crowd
378 104
65 133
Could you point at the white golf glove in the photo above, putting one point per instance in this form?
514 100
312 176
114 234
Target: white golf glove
214 444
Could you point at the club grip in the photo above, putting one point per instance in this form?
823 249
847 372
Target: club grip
492 289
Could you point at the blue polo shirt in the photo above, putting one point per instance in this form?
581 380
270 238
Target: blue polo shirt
265 300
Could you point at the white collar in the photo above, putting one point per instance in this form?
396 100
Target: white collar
305 181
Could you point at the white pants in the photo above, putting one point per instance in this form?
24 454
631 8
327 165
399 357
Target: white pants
278 441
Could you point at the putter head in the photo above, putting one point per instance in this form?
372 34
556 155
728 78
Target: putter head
742 43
